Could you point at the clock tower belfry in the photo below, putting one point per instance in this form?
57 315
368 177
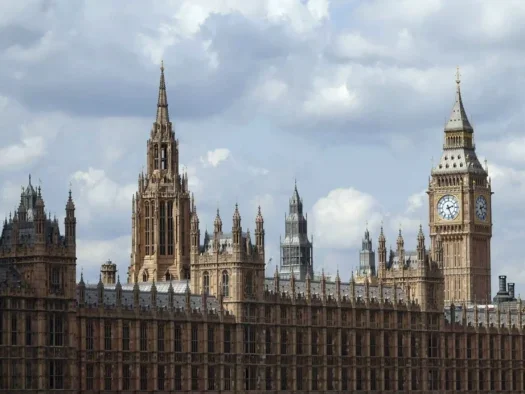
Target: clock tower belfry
460 211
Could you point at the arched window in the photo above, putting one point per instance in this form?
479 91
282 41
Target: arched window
248 289
147 229
168 276
206 282
156 157
145 276
225 284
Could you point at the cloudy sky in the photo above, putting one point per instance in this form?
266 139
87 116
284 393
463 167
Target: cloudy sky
349 97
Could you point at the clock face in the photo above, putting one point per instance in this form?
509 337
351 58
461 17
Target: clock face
481 208
448 207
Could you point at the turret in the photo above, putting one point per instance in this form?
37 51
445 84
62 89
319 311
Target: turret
236 228
439 251
70 222
108 273
195 232
421 252
81 290
400 248
381 251
259 232
118 290
40 218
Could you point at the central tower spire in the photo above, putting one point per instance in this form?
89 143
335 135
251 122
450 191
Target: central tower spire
161 213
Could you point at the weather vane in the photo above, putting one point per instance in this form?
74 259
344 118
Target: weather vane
458 80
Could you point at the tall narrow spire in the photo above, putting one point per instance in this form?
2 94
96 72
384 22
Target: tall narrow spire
458 118
162 103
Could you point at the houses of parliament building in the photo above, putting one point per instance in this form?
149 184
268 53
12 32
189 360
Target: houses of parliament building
197 314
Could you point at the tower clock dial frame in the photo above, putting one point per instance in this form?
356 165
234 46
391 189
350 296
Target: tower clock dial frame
448 207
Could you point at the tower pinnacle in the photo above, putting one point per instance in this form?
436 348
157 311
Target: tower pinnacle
458 120
162 103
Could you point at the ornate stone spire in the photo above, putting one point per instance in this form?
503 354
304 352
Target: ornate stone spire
458 118
162 103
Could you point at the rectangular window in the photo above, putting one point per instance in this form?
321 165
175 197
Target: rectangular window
164 157
178 377
344 379
29 331
344 343
211 339
469 346
156 157
314 343
29 375
284 341
56 330
413 346
249 339
284 378
143 337
315 379
194 377
373 380
160 377
194 338
227 340
268 342
177 339
162 228
126 377
386 344
125 336
299 376
143 377
329 345
56 375
358 345
299 343
250 377
14 329
15 375
107 335
227 378
160 337
107 377
170 228
330 378
90 377
211 377
269 379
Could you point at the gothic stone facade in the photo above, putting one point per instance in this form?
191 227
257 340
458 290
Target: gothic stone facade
200 318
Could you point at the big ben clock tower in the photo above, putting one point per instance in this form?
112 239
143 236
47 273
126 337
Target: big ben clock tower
460 211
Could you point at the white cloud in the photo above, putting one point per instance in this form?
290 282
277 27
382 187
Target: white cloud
340 218
98 193
215 157
416 201
23 153
266 202
92 253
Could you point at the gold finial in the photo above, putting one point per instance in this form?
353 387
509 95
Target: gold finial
162 65
458 80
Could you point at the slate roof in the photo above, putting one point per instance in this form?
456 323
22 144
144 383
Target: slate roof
179 296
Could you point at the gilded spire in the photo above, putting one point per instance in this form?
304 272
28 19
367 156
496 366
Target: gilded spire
162 103
458 119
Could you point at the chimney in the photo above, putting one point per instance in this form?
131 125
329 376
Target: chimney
511 290
502 284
